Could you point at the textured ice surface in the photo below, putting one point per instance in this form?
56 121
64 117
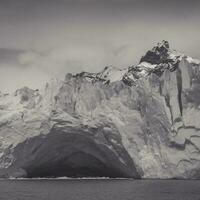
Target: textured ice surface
142 121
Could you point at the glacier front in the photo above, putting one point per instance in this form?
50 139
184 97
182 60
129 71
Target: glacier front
139 122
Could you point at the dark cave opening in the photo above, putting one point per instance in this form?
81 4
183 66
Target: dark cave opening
72 154
77 165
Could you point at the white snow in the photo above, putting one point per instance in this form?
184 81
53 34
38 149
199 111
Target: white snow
112 74
147 65
191 60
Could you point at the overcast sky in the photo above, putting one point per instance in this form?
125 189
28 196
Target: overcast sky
40 39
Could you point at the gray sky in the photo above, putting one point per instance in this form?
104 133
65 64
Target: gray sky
40 39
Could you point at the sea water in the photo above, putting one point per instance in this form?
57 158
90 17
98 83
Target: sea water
99 189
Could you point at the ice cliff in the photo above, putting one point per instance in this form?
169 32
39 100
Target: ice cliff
140 122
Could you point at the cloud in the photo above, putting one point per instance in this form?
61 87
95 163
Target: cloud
33 68
68 59
12 78
77 58
9 56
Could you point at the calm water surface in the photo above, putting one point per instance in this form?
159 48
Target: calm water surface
99 190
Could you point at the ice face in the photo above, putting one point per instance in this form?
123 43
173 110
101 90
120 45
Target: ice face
141 122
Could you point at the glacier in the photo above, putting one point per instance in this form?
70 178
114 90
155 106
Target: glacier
138 122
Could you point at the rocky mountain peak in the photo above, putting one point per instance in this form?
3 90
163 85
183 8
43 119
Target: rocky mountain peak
162 45
158 54
156 61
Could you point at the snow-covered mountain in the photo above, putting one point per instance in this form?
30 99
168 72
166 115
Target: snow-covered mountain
140 122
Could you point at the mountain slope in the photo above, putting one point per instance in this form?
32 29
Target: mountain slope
140 122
